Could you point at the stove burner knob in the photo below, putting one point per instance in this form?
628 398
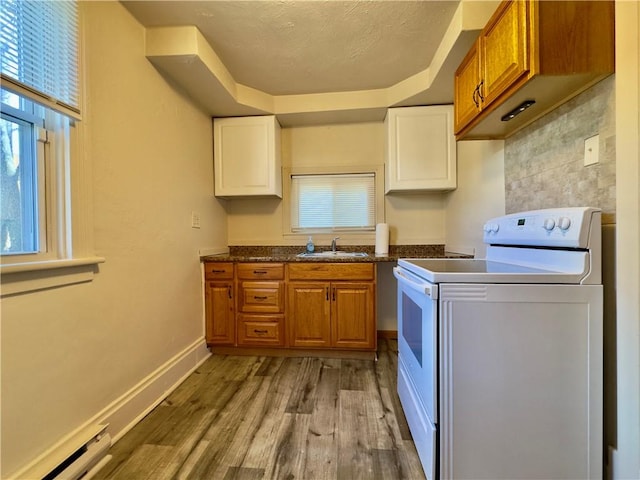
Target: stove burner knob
494 227
549 224
491 228
564 223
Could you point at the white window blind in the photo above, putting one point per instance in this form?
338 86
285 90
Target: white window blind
333 202
39 48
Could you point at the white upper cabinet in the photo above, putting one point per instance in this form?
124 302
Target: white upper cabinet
247 158
421 149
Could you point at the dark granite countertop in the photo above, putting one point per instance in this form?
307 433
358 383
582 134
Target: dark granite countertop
290 254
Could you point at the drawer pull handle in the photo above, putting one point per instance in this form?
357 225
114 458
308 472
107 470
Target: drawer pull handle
259 332
229 291
218 271
259 272
259 298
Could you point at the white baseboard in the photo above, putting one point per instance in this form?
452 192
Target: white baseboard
125 412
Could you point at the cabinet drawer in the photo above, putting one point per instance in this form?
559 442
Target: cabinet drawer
218 270
265 297
260 271
261 330
331 271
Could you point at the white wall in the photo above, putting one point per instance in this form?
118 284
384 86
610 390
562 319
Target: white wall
418 218
626 456
69 353
479 196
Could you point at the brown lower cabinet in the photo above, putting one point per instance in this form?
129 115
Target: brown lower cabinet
219 304
331 305
331 315
260 318
313 305
309 314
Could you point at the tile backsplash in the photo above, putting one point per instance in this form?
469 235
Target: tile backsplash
544 163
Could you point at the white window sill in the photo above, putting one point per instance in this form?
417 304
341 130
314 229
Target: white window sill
28 277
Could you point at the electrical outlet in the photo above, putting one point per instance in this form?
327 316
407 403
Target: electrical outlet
591 150
195 220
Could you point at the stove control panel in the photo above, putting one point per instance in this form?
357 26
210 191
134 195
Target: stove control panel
553 227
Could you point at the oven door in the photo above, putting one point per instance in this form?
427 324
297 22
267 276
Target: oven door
417 362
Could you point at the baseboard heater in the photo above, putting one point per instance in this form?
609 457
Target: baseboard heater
84 461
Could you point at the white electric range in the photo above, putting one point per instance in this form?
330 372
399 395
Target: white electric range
500 359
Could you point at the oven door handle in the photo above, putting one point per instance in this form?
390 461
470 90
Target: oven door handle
415 283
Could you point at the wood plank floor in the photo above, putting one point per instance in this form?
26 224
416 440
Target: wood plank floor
248 418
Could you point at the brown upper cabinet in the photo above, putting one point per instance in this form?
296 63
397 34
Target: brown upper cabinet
544 52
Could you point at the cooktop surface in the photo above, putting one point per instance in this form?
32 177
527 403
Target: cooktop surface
450 270
466 265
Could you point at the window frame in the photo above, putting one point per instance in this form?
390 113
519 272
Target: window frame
73 260
354 235
29 150
47 132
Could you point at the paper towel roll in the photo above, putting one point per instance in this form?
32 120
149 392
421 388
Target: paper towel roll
382 239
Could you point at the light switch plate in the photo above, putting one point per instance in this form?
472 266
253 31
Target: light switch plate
591 150
195 220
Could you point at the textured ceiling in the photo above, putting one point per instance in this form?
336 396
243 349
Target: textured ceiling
301 47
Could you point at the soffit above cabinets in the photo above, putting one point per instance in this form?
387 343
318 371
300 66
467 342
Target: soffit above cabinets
310 63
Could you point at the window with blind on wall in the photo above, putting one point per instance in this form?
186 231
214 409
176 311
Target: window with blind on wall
40 102
45 198
333 202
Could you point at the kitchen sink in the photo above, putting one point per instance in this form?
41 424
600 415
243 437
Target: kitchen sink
331 254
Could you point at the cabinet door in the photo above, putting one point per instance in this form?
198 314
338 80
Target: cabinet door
353 315
247 156
308 314
504 49
467 89
220 321
421 149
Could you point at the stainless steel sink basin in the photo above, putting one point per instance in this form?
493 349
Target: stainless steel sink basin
331 254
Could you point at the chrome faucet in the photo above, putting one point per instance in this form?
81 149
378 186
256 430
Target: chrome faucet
333 244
